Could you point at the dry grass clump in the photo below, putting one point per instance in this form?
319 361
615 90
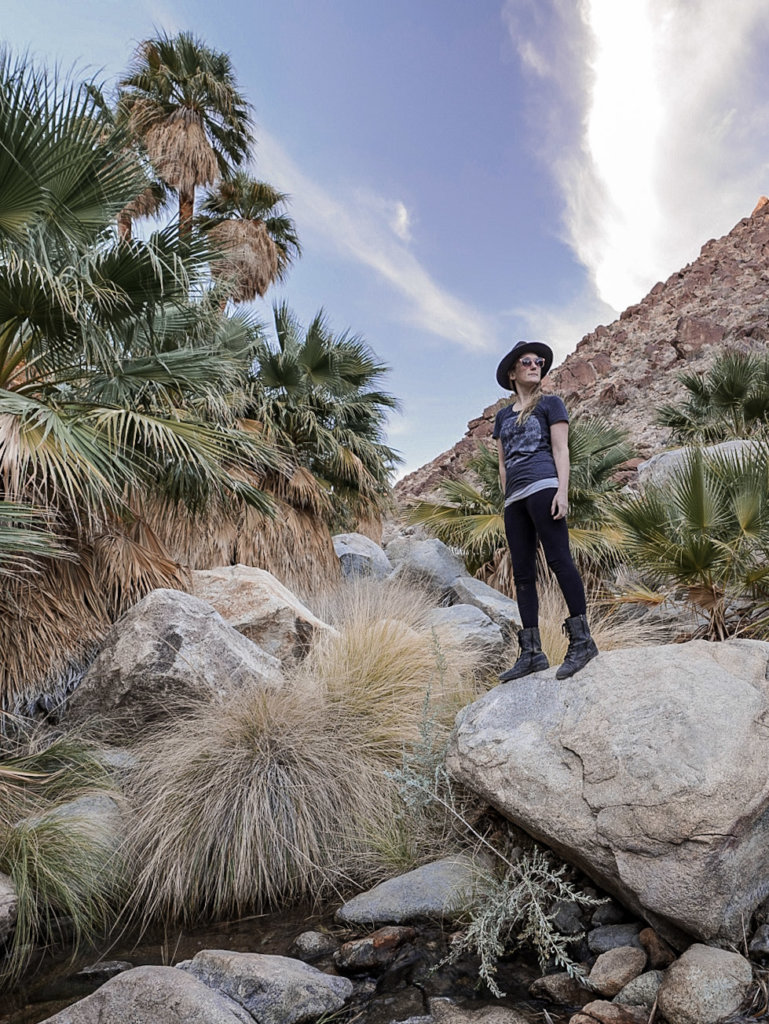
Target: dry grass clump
609 628
386 661
264 799
281 795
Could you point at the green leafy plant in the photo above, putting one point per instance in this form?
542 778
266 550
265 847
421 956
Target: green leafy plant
730 401
705 531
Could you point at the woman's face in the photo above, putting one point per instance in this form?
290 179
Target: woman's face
529 374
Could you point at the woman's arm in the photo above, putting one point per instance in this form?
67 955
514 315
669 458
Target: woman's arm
502 473
559 440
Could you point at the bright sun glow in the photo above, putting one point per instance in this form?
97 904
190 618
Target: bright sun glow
623 124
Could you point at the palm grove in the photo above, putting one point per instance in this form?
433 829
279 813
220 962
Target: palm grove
149 425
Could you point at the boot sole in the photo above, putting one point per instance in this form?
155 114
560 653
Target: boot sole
505 677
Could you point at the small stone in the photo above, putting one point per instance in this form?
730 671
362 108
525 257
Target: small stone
153 995
660 954
9 907
273 989
560 988
311 946
612 1013
610 936
103 970
641 991
610 912
376 950
568 919
704 985
615 968
759 944
444 1011
435 890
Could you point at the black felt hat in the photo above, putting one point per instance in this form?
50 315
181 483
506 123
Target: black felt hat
539 348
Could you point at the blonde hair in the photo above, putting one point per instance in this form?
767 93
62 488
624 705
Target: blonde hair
530 403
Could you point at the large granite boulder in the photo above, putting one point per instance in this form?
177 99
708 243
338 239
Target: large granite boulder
154 995
500 609
261 608
657 470
469 627
361 556
647 770
273 989
427 563
168 649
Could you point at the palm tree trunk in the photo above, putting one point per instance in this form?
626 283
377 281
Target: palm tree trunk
186 208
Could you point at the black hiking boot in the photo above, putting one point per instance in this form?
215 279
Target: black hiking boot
531 658
582 648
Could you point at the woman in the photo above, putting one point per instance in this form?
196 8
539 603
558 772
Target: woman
533 442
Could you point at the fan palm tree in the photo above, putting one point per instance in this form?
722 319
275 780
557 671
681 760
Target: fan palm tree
730 401
705 530
471 515
246 220
24 539
317 396
182 102
102 404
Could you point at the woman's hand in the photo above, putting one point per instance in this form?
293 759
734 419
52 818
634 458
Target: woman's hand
560 506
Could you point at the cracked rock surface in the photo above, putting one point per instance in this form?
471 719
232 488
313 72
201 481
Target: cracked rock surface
647 770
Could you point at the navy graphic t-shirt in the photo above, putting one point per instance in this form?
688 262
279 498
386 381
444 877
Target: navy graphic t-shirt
529 464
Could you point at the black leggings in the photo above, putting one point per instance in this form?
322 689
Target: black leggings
525 520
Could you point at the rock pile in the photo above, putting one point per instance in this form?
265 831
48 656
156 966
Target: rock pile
626 770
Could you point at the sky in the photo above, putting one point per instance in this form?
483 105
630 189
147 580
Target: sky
467 173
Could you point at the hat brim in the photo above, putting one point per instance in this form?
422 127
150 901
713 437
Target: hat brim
539 348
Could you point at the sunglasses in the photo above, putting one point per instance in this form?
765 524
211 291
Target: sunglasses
532 361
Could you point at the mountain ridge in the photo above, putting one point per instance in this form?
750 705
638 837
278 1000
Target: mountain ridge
625 370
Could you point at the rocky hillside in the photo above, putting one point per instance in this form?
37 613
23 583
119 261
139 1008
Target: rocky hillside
627 370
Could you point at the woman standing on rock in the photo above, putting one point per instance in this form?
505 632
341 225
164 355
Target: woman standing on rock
532 438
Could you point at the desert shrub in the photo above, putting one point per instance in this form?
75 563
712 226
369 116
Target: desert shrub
266 798
731 400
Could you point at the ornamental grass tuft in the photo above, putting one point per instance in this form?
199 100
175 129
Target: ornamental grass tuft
264 799
385 658
63 863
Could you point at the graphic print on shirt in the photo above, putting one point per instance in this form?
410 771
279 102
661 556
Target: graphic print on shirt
524 440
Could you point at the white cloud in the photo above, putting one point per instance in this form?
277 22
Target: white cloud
401 222
654 122
373 231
